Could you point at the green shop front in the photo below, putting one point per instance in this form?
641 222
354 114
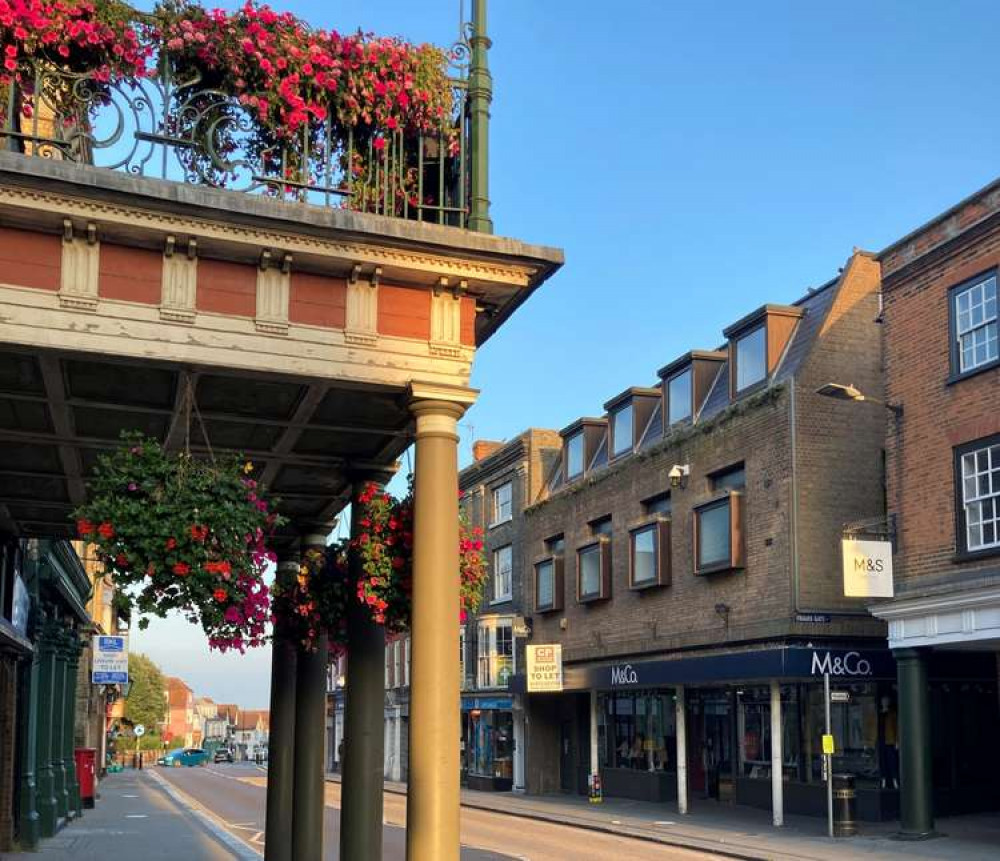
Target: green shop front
725 703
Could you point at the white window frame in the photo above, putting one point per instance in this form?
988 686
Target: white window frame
981 509
689 373
981 332
461 656
489 662
397 664
503 579
503 510
406 662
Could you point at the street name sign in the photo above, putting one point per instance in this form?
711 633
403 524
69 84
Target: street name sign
139 730
110 664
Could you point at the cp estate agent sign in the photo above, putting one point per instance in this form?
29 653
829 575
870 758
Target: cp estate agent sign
545 671
110 665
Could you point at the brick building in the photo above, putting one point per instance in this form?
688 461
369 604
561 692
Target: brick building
943 456
503 480
180 713
687 559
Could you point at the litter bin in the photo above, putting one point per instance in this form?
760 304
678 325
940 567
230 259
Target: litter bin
86 768
844 804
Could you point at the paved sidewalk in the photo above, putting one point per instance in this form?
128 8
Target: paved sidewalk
741 832
135 818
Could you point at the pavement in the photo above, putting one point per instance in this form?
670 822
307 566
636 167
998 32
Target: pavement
724 830
136 818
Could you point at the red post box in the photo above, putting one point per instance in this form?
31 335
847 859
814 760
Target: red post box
86 766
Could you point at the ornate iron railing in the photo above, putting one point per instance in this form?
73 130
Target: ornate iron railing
184 131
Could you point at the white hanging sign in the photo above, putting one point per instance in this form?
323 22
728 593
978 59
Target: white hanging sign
867 568
545 671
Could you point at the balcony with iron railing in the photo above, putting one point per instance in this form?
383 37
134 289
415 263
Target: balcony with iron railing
256 102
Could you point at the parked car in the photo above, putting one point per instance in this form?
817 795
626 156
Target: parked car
223 754
183 756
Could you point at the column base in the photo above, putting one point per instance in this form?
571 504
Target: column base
916 836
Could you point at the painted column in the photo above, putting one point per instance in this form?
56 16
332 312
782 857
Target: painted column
680 715
58 722
281 743
308 785
365 726
73 648
777 785
47 805
916 804
28 824
595 768
518 743
432 816
480 96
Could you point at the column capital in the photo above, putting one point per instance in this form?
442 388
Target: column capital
363 473
442 395
910 654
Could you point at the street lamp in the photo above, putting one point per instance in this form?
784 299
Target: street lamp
840 392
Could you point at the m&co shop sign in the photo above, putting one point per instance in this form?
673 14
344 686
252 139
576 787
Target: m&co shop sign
545 671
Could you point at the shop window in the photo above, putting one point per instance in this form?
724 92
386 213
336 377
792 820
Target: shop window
503 569
461 657
491 744
574 455
719 535
397 663
975 342
593 571
751 358
855 726
754 732
495 645
649 547
637 730
502 504
978 501
679 397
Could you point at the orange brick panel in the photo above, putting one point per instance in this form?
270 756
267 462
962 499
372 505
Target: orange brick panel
468 330
317 300
130 274
404 313
227 288
29 259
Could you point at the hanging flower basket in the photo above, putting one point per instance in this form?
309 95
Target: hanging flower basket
178 533
315 601
386 547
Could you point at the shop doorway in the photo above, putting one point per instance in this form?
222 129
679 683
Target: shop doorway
710 745
567 763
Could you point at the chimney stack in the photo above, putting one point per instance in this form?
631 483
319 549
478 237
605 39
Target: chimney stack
484 448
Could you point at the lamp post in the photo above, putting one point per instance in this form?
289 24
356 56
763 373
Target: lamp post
849 392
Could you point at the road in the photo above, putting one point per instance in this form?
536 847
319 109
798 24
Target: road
235 794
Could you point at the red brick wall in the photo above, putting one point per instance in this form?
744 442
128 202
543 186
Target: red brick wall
130 274
937 416
317 300
30 259
404 313
227 288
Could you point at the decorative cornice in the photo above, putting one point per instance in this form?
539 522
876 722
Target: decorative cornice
432 265
964 600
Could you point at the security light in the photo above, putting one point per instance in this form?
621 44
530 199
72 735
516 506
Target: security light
678 474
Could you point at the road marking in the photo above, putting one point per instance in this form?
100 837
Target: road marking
130 796
664 822
137 816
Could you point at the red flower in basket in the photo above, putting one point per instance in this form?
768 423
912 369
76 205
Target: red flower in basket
121 560
106 530
171 543
220 595
84 528
199 533
182 569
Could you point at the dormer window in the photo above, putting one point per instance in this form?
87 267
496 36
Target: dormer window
751 358
757 343
622 430
679 397
574 455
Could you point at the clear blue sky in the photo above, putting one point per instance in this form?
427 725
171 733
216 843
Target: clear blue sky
694 160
